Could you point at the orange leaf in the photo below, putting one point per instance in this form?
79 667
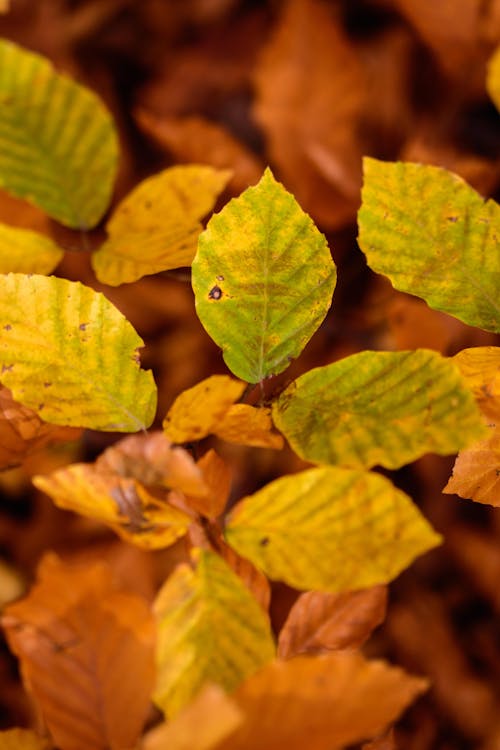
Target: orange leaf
476 473
22 739
22 431
254 580
248 425
385 742
217 476
320 703
86 653
321 621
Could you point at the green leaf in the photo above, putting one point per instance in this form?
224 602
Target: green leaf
493 77
263 279
25 251
69 354
379 408
210 629
330 529
58 144
434 237
157 226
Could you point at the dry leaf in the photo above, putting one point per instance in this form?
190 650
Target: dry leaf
217 476
86 653
22 431
320 621
310 90
476 473
253 579
248 425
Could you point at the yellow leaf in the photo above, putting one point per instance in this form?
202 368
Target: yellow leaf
493 77
210 629
22 739
248 425
330 529
69 354
476 473
157 226
25 251
207 720
480 366
320 703
86 653
198 410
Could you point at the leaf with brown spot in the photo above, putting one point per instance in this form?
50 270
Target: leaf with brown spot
86 653
321 621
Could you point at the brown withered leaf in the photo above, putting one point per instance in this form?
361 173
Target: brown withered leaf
253 579
319 621
22 739
320 702
22 431
310 91
196 140
218 477
86 654
476 473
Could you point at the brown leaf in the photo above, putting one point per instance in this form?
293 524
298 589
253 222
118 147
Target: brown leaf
253 579
385 742
218 477
320 703
86 653
196 140
310 90
320 621
22 739
476 473
22 431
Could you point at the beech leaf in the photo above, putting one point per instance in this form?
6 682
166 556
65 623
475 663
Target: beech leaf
58 143
197 411
25 251
480 366
320 703
210 629
217 476
319 621
86 653
476 473
248 425
434 237
330 529
263 280
493 78
379 408
69 354
156 227
22 739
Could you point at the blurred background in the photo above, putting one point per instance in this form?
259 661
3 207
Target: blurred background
308 87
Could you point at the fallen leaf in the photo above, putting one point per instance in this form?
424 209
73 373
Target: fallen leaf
476 473
320 621
86 653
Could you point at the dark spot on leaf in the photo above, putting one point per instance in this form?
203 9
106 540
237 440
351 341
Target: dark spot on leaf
136 357
220 278
8 327
215 293
264 541
453 219
147 204
47 385
7 368
83 326
40 407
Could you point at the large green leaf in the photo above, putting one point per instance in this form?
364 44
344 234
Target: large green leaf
263 279
69 354
58 144
379 408
210 629
330 529
434 237
25 251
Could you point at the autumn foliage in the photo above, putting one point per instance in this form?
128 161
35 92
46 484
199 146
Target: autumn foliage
221 467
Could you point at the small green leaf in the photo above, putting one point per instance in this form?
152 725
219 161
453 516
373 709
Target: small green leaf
379 408
25 251
58 144
69 354
263 279
210 629
330 529
434 237
493 77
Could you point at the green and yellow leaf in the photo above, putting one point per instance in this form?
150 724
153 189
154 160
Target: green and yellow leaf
58 143
493 78
69 354
434 237
330 529
197 411
379 408
156 227
263 280
210 629
25 251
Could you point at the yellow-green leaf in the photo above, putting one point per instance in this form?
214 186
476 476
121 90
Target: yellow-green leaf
434 237
493 78
157 226
58 143
379 408
25 251
197 411
263 279
330 529
69 354
210 629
